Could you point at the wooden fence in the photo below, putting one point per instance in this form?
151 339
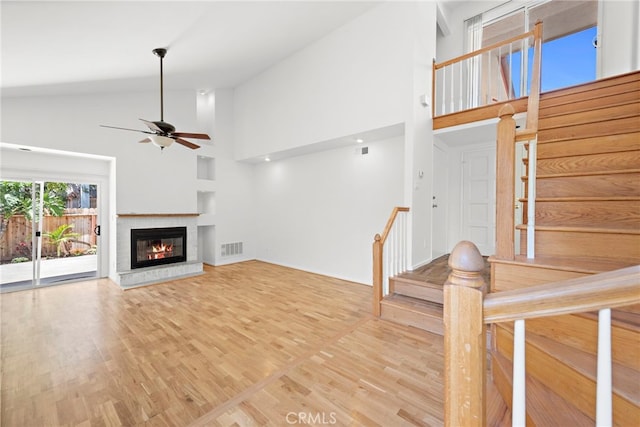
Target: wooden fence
16 238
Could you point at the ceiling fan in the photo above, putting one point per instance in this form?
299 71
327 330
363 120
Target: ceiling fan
161 133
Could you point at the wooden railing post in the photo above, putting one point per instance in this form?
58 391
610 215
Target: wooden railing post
377 274
464 338
505 183
534 94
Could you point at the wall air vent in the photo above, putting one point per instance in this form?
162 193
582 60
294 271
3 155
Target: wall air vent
231 249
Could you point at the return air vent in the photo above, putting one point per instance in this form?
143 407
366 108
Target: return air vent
230 249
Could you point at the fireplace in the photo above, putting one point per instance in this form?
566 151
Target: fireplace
158 246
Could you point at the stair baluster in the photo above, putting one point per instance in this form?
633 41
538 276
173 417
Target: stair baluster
394 259
604 406
519 399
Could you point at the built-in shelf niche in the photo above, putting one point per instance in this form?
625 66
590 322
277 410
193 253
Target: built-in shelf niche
207 244
206 168
206 202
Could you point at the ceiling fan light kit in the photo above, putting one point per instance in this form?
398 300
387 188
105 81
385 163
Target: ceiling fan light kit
161 133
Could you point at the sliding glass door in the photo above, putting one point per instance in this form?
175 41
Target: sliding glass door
49 233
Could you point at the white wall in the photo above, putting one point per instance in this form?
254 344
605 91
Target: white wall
236 213
352 80
320 212
148 180
143 179
456 12
366 75
619 41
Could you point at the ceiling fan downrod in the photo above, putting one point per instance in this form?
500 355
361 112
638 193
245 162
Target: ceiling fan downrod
161 52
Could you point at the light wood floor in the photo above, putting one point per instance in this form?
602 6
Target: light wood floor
243 344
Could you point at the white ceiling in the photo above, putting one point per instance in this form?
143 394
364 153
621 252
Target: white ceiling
51 47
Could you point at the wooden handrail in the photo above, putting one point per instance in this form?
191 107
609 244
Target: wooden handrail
378 248
605 290
390 221
485 49
468 310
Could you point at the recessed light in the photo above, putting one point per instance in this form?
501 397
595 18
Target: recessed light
267 159
359 140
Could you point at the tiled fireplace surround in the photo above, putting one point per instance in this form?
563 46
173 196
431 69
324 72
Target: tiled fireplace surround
127 277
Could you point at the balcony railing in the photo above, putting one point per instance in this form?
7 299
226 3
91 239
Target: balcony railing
494 74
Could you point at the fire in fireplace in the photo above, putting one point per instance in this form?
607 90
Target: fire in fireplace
158 246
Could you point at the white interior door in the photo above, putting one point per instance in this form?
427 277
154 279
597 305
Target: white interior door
439 205
478 198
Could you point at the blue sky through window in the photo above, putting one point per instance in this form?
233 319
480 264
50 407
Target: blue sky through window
566 61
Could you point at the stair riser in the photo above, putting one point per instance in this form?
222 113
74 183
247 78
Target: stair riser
505 277
411 318
596 145
620 185
583 244
571 385
545 408
582 333
591 116
420 292
590 130
599 98
588 90
591 163
622 213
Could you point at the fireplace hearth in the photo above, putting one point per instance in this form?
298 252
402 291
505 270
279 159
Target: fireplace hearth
158 246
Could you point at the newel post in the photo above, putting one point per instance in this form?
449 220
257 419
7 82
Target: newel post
505 183
464 338
377 274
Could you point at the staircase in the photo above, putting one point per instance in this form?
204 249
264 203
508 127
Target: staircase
415 298
587 222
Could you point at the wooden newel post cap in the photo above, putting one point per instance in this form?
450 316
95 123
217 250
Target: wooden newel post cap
506 110
467 265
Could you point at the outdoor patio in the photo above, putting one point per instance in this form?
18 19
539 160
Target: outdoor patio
19 275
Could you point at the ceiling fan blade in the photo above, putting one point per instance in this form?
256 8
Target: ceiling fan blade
187 143
145 140
154 127
134 130
191 135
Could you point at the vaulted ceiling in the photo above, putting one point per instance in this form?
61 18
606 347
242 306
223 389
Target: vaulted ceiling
52 47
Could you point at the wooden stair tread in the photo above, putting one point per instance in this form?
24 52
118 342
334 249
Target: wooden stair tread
609 82
630 92
593 115
590 145
585 265
414 304
585 199
587 173
417 280
498 412
618 126
544 407
568 229
626 381
619 318
414 312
